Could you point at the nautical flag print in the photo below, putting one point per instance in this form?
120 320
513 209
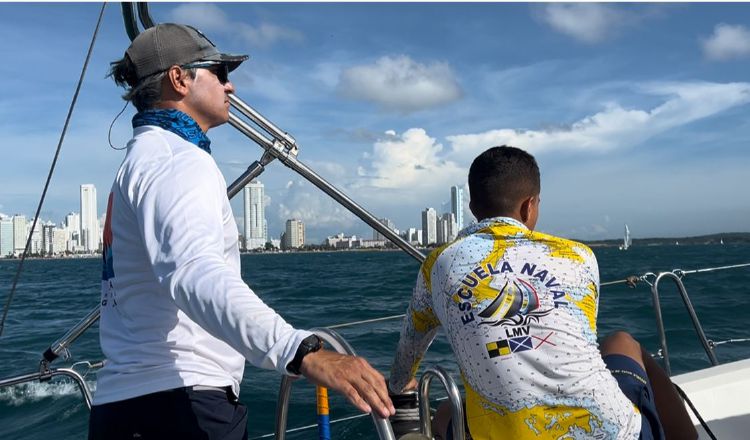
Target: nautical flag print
504 347
498 348
521 344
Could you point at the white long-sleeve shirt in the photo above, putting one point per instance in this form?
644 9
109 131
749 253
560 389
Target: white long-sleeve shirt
519 308
175 310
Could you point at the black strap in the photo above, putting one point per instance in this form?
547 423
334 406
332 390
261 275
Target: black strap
695 411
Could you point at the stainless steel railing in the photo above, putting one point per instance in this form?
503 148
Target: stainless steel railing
339 344
676 276
454 397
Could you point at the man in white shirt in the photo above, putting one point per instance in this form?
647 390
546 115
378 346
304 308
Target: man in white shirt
177 321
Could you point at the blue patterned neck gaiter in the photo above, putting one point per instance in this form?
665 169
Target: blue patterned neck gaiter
177 122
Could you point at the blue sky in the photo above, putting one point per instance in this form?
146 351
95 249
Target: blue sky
637 113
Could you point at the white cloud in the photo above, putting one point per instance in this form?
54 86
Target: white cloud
409 161
210 18
400 83
727 42
204 16
267 34
330 171
586 22
616 127
327 73
316 209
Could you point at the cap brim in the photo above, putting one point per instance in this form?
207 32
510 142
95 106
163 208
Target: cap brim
232 61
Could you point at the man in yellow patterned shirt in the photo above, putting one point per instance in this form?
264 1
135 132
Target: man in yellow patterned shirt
519 308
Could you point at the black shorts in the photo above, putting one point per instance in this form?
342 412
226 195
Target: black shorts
181 413
633 382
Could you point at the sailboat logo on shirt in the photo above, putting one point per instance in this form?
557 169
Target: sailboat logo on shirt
516 304
516 297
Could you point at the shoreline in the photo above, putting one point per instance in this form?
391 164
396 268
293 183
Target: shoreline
721 239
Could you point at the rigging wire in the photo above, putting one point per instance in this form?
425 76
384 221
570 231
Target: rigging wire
51 170
730 341
630 281
366 321
315 425
343 419
711 269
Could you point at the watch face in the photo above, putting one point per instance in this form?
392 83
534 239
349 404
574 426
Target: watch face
312 343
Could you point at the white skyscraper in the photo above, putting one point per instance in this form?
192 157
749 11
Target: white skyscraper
457 207
412 235
429 227
89 219
73 230
6 237
48 237
19 234
388 224
294 234
255 217
59 240
35 246
446 230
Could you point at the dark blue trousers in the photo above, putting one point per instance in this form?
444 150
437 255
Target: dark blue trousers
182 413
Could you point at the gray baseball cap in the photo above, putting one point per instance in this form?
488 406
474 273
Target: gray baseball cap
167 44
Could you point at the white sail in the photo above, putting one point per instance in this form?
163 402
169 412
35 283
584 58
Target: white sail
626 241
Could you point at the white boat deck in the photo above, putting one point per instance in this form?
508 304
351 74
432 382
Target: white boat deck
721 395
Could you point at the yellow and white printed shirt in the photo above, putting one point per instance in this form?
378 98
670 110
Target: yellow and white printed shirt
519 308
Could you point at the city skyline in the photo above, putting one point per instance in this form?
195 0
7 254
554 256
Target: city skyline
86 225
625 106
79 232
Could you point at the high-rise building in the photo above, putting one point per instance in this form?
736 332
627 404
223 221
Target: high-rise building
48 239
446 228
429 227
73 231
294 234
413 236
19 234
457 206
89 219
6 237
442 231
254 214
35 245
388 224
59 240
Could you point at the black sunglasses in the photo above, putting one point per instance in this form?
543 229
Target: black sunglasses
221 70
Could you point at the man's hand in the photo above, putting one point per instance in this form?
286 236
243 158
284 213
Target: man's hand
351 376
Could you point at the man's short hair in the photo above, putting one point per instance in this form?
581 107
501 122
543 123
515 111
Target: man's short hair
500 179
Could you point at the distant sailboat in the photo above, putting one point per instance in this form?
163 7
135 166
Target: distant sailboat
626 241
721 241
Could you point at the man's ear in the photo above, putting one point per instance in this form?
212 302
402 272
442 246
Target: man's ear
526 209
476 214
178 81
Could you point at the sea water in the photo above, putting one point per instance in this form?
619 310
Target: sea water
323 289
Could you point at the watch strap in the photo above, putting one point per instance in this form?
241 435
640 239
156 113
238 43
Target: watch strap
308 345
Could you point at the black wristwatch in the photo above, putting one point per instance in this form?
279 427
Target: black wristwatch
310 344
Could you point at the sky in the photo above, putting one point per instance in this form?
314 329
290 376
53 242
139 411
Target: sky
637 113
